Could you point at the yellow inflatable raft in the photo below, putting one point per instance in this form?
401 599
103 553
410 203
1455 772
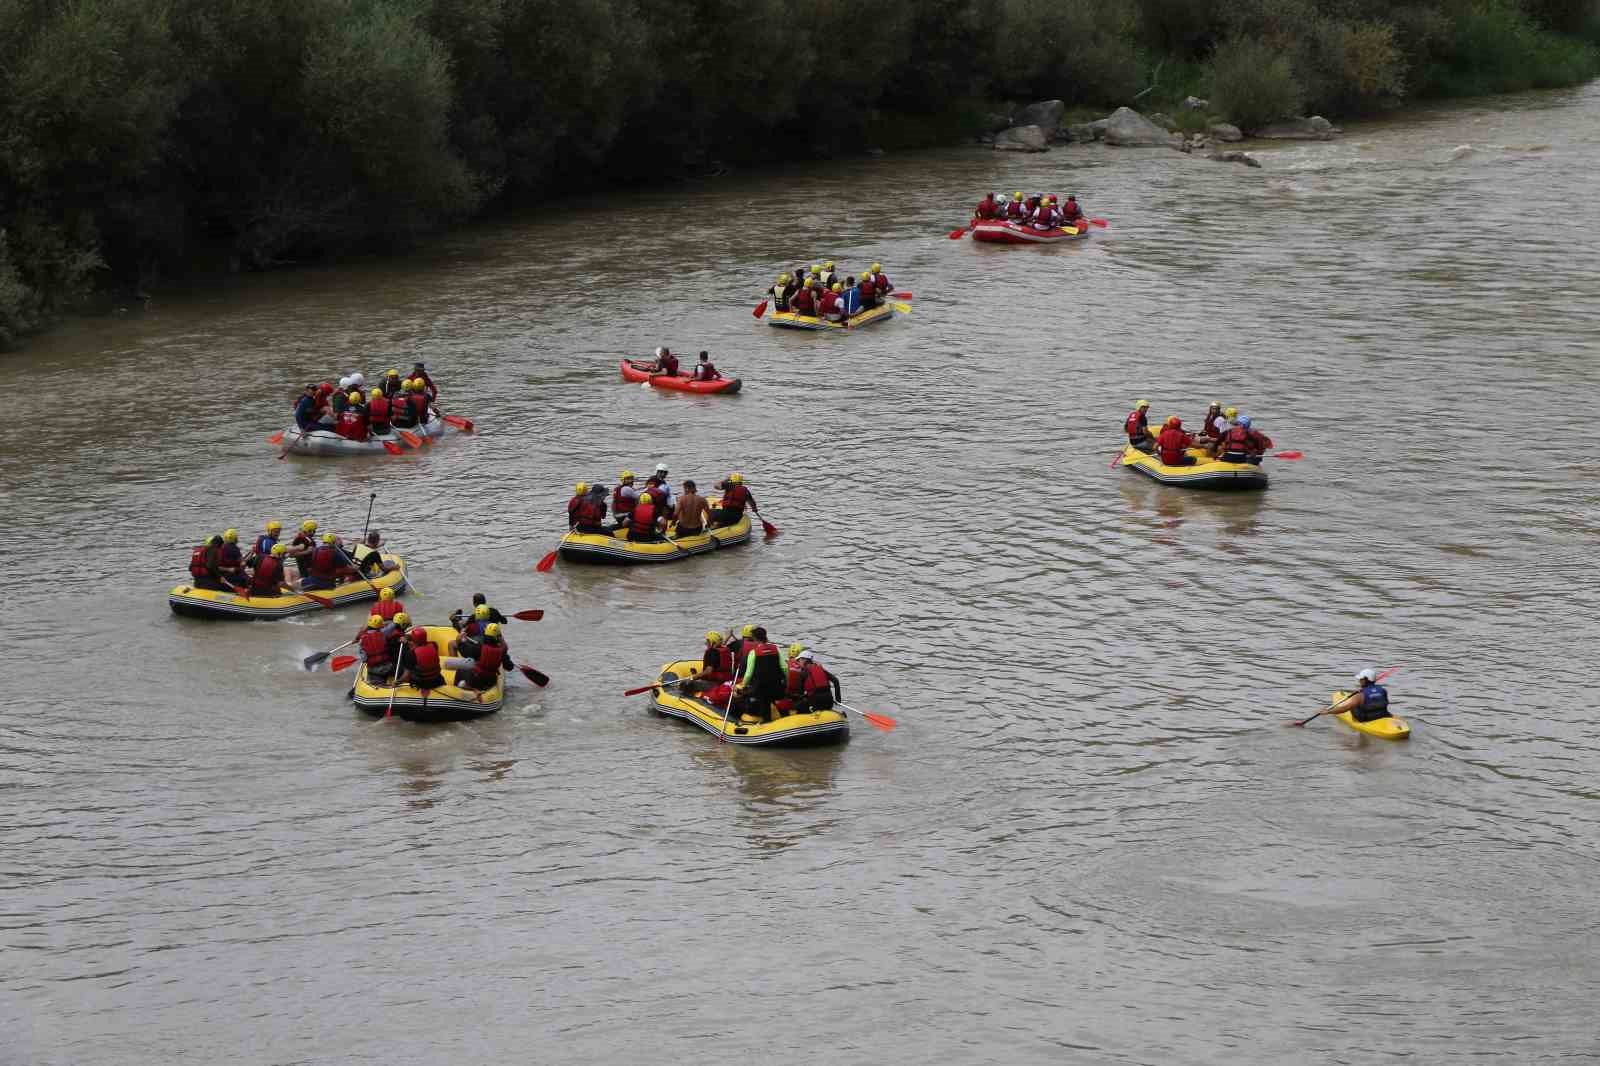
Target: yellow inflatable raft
1206 473
616 548
194 602
809 727
789 320
1390 728
448 704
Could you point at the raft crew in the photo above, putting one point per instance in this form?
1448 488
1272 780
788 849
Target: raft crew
328 566
377 413
303 544
763 677
988 209
1368 703
419 662
580 492
264 544
230 561
622 500
781 291
590 514
481 669
374 648
368 559
1214 424
810 687
691 513
1137 426
826 295
1241 444
1172 444
352 423
269 578
1071 213
704 370
308 409
735 498
419 374
647 520
203 564
388 605
458 617
391 386
1017 209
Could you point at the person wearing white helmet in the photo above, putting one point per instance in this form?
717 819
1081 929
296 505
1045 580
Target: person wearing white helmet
1368 703
810 686
666 363
659 481
1243 444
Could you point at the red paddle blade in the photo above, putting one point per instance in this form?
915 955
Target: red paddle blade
535 676
392 448
320 601
760 309
1115 461
769 529
1387 672
276 438
901 295
342 661
881 721
1288 455
529 616
546 563
410 438
957 234
463 424
1102 223
636 691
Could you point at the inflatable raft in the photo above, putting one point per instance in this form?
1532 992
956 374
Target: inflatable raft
448 704
194 602
809 727
326 442
1013 233
1390 728
789 320
616 548
1206 473
639 370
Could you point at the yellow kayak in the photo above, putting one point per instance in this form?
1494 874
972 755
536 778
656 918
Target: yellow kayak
789 320
616 548
808 727
1206 473
448 704
1390 728
210 603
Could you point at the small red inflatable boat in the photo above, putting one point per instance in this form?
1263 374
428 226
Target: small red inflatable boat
639 370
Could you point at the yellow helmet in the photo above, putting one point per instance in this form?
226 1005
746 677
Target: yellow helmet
828 265
308 526
815 267
838 286
391 373
386 595
274 526
492 629
481 612
783 279
810 278
280 549
230 536
374 621
713 637
580 488
374 394
626 475
408 385
1017 196
796 649
354 397
327 538
747 631
402 619
1141 405
876 267
736 479
1230 412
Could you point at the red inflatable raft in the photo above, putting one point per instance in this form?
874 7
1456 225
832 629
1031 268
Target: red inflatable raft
1013 233
639 370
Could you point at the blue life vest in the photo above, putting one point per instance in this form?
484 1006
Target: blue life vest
305 413
1374 698
264 545
852 300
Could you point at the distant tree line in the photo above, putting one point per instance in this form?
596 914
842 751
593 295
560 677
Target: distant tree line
135 131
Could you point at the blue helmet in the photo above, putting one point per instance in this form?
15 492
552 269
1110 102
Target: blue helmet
1244 420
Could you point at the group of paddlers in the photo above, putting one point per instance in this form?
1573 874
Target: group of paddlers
756 679
398 403
654 511
397 653
220 564
822 292
667 363
1040 211
1225 435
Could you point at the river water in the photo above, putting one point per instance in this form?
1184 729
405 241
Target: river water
1091 840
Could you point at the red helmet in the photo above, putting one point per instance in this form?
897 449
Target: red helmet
418 635
325 388
1175 422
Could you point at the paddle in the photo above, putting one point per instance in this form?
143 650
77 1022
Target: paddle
957 234
342 661
733 688
901 295
1325 710
1102 223
463 424
767 528
410 437
535 676
392 448
532 615
276 438
1288 455
1117 460
290 446
394 686
321 601
902 309
656 685
366 523
544 566
881 721
310 661
760 309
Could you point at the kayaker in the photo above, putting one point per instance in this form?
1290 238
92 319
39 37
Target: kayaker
666 363
419 661
264 544
735 498
1071 213
419 373
377 413
1241 444
269 578
591 513
391 383
691 512
203 564
988 208
1368 703
764 675
458 617
622 500
642 524
388 605
810 687
230 561
780 293
303 544
1016 210
374 649
705 370
482 670
307 415
1172 442
1137 426
880 281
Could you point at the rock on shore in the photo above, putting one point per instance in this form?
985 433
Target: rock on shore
1315 128
1022 139
1126 128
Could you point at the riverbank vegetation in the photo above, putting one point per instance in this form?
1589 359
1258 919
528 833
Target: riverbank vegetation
138 131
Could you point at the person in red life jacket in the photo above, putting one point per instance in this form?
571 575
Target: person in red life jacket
325 413
988 208
378 413
263 544
303 544
1213 424
373 648
764 676
402 413
880 280
735 498
810 687
868 293
644 523
481 670
352 424
327 566
230 561
388 605
579 492
622 500
1172 441
1242 444
1137 426
705 370
1016 209
203 564
417 399
830 307
590 516
716 665
1071 213
804 302
419 373
269 578
1045 216
419 661
666 362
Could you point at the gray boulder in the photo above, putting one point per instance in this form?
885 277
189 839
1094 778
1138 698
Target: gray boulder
1225 131
1315 128
1046 113
1084 132
1194 103
1022 139
1233 155
1126 128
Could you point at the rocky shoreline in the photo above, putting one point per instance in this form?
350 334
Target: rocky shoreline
1039 125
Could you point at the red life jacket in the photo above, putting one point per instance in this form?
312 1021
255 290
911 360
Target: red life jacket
803 303
1136 426
591 512
200 562
621 505
669 364
352 425
1172 441
987 208
706 372
426 674
1206 427
572 509
325 561
813 678
881 283
718 662
830 302
387 609
869 291
1015 211
1072 212
268 575
376 648
643 520
766 673
1236 441
490 656
419 407
735 498
378 411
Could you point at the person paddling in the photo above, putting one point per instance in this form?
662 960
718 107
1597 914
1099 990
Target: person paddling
1368 703
623 499
1137 426
307 410
704 370
1172 443
590 514
810 686
988 208
374 649
735 498
458 618
269 578
419 661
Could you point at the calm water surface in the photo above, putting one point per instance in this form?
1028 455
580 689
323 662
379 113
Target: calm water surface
1090 841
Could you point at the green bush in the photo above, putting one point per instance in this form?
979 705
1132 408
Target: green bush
1255 84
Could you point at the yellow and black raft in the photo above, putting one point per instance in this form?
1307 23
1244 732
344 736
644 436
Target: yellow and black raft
617 549
194 602
789 320
808 727
448 704
1206 473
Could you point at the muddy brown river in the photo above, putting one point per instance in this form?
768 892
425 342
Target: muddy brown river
1091 840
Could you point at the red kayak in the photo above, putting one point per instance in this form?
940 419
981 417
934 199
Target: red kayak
639 370
1016 233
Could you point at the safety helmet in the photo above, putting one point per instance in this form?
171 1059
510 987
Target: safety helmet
713 637
213 540
274 526
374 394
838 287
354 397
828 265
736 479
1141 405
783 279
1051 197
581 487
876 267
408 385
1017 195
419 635
386 595
1369 674
481 612
1216 405
1174 421
1244 420
230 536
308 526
402 619
328 538
1230 412
747 631
796 649
626 475
391 373
661 468
358 378
344 383
815 267
280 549
492 629
374 621
803 653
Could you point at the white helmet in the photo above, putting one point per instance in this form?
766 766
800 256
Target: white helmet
1369 674
658 353
803 654
344 384
357 378
661 468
